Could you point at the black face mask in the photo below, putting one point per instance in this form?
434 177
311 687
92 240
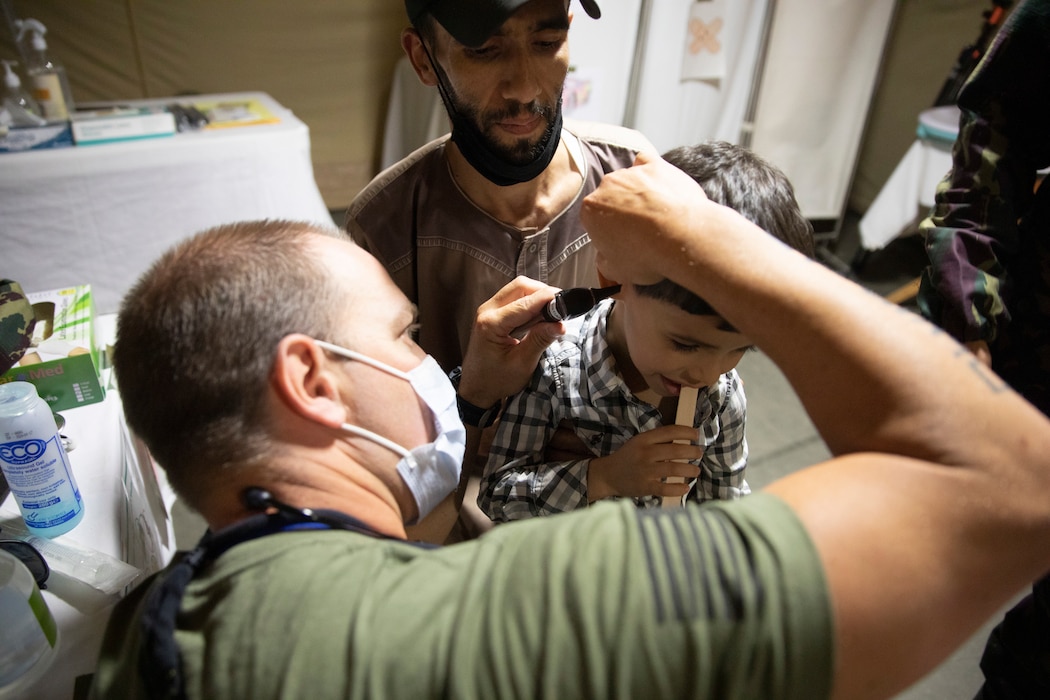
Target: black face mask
481 157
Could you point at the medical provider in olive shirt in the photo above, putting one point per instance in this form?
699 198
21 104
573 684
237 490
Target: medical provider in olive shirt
849 579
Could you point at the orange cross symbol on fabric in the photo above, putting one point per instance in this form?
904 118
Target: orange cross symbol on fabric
704 35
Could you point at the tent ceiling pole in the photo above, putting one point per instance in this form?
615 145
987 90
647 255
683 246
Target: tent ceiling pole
747 126
630 112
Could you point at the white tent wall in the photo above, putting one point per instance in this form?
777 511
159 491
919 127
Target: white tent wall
675 112
332 62
602 54
821 111
926 40
823 57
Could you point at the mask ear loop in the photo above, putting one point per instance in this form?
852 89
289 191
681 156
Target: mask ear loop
439 73
389 444
358 357
383 367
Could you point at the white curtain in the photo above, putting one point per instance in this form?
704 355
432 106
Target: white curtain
672 112
823 59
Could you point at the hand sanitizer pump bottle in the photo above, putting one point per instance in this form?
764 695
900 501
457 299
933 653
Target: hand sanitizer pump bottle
23 109
47 77
35 463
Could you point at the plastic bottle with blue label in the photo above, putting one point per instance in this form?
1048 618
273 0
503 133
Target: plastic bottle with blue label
35 463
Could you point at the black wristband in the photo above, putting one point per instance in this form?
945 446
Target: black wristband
470 414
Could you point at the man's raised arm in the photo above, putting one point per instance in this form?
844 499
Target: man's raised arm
937 509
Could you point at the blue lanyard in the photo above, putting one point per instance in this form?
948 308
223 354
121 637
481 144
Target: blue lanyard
159 663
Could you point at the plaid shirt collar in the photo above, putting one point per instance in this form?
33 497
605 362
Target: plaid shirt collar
603 382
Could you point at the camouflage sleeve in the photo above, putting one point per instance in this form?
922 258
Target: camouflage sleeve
972 236
17 320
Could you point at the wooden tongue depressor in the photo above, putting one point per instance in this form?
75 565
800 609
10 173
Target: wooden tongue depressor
687 398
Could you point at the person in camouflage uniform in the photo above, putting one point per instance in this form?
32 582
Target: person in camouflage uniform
988 236
16 324
988 282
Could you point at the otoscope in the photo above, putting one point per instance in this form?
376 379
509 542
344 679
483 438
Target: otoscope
569 303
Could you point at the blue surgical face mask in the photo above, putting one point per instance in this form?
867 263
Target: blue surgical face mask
431 471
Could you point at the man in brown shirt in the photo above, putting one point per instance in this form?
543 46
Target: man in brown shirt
459 218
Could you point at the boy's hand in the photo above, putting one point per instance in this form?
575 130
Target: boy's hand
639 467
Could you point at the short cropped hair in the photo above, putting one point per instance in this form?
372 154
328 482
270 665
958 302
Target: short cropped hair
196 340
738 178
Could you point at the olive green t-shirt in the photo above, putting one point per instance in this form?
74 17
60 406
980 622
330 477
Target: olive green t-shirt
725 600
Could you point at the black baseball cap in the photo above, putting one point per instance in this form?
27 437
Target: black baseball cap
472 22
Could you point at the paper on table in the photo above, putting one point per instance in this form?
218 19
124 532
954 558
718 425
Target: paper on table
687 399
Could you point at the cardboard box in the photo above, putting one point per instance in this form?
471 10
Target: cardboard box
34 138
121 124
64 361
223 114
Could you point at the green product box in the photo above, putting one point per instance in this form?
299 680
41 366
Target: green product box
64 360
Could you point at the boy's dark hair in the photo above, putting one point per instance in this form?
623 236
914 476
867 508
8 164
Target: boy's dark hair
735 177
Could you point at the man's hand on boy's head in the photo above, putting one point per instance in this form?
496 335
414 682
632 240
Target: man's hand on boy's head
496 363
633 201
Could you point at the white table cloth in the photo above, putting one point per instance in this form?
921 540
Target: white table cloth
910 189
126 516
907 193
101 214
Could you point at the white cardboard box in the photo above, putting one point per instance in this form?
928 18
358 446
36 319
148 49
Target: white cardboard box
65 359
121 124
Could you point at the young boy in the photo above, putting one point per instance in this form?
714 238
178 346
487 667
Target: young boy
617 372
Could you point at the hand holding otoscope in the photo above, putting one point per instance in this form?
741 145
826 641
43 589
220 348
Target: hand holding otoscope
569 303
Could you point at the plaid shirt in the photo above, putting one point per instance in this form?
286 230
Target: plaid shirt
577 380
